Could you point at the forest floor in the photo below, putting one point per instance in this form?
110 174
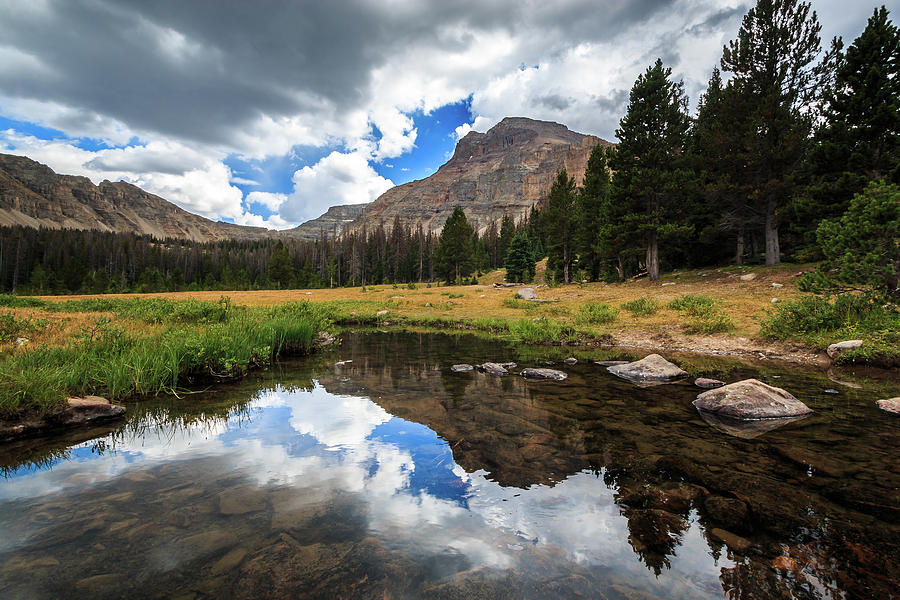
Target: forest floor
560 315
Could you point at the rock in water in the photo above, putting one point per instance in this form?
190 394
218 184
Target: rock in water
652 368
751 399
549 374
611 363
571 361
492 369
527 294
89 408
743 428
707 383
461 368
891 405
839 348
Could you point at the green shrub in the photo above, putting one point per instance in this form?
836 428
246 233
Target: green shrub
596 313
642 307
13 327
692 303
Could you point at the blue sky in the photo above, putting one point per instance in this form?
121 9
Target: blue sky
268 113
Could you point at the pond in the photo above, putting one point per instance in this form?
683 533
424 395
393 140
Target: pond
388 476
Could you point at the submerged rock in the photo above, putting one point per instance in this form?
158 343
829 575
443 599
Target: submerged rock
461 368
611 363
78 411
492 369
549 374
892 405
527 294
839 348
707 383
652 368
751 399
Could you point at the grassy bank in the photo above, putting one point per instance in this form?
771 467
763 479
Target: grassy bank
120 348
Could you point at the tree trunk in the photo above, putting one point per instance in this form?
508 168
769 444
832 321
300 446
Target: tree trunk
773 251
739 252
620 268
653 256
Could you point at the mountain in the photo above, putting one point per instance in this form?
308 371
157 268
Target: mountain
333 223
504 171
33 195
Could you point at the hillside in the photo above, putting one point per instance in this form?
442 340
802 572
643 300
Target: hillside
33 195
504 171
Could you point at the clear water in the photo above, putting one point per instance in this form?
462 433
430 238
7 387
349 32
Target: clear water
391 477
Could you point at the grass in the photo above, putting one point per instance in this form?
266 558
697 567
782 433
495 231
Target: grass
198 342
819 322
641 307
596 313
703 315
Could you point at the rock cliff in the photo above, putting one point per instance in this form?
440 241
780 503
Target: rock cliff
333 222
504 171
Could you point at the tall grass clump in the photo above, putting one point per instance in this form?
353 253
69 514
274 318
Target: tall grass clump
217 343
596 313
703 314
641 307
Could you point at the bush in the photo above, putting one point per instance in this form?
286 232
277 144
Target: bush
692 303
596 313
703 316
642 307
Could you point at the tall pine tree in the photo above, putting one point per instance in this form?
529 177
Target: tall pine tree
455 253
649 163
560 221
773 60
592 212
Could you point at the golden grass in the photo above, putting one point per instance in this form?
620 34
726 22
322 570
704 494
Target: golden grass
743 301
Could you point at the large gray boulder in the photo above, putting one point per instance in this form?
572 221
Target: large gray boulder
492 369
548 374
839 348
751 399
653 368
527 294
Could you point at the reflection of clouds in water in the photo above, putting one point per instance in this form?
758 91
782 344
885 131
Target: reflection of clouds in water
320 443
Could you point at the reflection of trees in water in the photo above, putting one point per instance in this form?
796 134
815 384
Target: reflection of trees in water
660 457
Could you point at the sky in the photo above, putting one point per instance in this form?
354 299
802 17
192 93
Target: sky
267 113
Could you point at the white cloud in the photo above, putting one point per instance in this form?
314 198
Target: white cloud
339 178
270 200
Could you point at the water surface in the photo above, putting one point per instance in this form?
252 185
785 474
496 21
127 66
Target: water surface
390 476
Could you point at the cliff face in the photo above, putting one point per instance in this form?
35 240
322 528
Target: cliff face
504 171
33 195
333 223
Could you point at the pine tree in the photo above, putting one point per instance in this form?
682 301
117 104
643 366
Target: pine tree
859 140
520 260
281 267
773 61
649 167
560 220
593 204
455 254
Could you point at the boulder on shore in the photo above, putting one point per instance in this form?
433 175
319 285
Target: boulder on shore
839 348
461 368
527 294
492 369
548 374
652 368
78 411
751 399
891 405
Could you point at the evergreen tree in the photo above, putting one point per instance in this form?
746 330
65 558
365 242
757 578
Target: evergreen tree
650 175
773 61
593 206
520 259
561 222
455 255
861 248
507 231
281 267
859 139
